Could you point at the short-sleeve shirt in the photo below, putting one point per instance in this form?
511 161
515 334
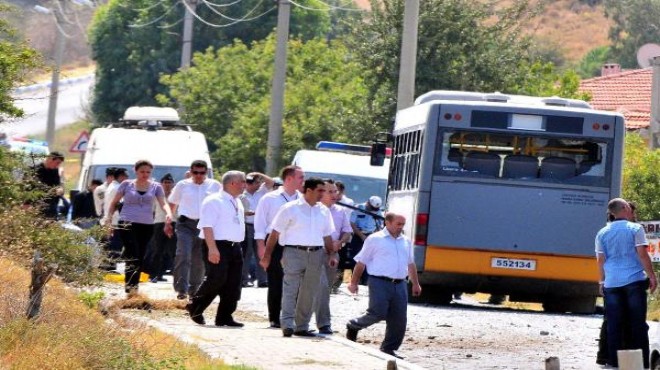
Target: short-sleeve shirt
618 241
385 255
267 208
189 196
299 223
225 215
341 220
138 207
365 222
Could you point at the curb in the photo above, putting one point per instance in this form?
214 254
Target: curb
46 85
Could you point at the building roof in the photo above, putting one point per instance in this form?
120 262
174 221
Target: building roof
628 92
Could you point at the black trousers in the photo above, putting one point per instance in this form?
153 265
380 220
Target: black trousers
161 251
222 279
275 280
135 238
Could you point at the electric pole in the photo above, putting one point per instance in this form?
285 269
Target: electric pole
277 90
60 44
186 52
408 61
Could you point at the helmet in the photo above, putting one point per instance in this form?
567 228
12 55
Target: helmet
375 201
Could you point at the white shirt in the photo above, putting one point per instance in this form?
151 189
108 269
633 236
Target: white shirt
267 208
253 201
225 215
99 196
385 255
109 195
301 224
189 196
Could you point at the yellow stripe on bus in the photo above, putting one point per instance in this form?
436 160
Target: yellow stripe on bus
470 261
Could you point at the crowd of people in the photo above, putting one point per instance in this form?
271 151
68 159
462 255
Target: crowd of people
289 235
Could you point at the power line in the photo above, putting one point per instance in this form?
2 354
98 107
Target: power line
221 5
329 7
214 25
234 19
149 23
172 24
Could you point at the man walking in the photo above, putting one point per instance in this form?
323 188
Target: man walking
186 198
222 224
389 257
303 227
267 208
625 274
257 186
340 236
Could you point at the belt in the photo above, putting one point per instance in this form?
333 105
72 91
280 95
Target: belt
184 219
393 281
227 243
304 248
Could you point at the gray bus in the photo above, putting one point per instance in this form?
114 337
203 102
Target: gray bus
504 194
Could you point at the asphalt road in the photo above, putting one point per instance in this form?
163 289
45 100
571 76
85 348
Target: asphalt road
72 101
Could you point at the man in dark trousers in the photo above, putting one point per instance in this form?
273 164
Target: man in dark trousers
84 212
222 225
49 177
389 257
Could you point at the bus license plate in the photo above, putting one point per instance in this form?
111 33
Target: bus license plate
511 263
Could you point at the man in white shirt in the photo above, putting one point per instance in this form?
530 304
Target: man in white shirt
257 186
340 236
222 225
115 244
303 227
389 257
99 192
293 178
186 198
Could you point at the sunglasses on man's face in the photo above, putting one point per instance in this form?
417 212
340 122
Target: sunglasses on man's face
198 172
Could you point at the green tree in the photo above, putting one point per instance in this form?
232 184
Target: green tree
227 94
462 45
593 61
635 24
17 59
134 43
641 179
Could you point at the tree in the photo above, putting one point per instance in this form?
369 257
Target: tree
462 45
635 24
641 179
17 59
226 94
591 64
136 42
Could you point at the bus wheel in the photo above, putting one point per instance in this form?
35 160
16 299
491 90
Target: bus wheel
431 294
579 305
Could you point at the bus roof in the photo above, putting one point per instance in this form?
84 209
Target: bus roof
327 162
500 98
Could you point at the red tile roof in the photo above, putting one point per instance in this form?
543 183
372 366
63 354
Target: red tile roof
627 92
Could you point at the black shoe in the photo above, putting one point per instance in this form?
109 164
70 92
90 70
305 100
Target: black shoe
287 332
275 324
326 330
198 319
601 361
230 323
391 353
262 285
181 296
304 333
351 334
160 278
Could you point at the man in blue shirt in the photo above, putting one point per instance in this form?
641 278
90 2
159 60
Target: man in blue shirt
625 274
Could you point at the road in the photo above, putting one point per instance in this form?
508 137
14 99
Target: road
72 102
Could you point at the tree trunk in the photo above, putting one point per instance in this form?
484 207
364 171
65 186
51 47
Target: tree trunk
40 276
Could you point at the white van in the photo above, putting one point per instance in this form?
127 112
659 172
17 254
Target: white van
347 163
150 133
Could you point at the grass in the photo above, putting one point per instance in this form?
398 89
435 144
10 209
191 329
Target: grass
70 335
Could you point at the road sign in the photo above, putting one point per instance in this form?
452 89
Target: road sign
80 145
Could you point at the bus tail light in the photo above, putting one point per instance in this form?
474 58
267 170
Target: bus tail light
421 228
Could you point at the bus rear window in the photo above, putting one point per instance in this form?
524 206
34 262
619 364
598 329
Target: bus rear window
522 157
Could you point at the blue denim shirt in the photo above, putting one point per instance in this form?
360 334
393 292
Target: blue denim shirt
364 222
618 241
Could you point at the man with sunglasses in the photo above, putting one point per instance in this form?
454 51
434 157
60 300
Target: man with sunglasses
186 199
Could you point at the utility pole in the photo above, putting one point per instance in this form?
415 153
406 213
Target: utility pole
408 61
277 90
60 44
654 128
186 52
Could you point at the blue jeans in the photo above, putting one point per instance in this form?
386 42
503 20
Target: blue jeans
627 303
